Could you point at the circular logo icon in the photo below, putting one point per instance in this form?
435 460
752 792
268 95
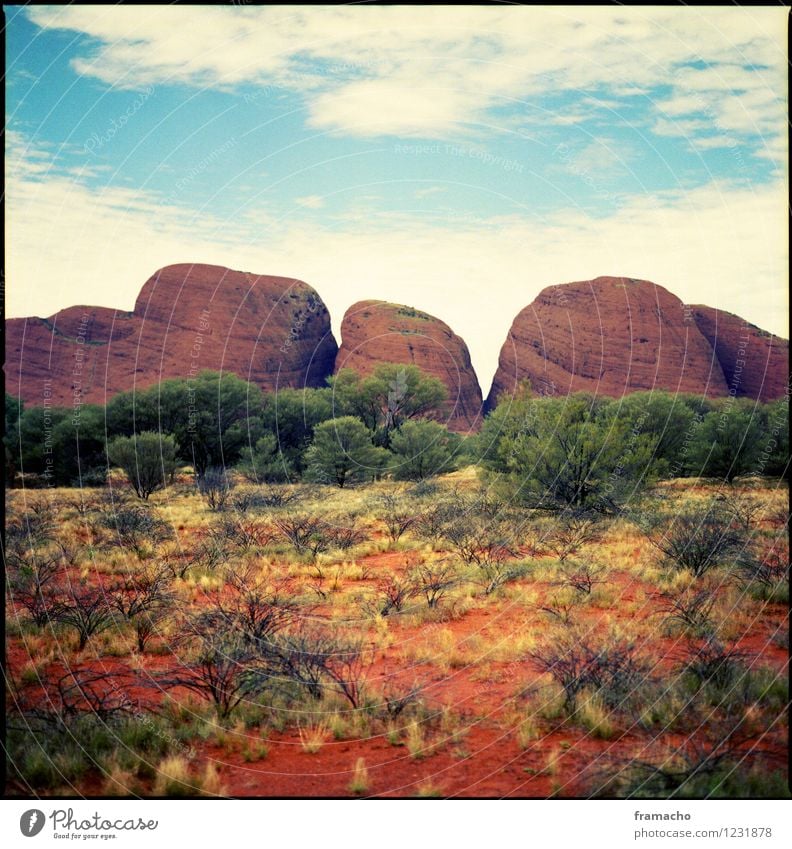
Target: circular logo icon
31 822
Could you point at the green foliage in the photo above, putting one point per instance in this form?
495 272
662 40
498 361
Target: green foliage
148 459
574 451
728 442
773 457
422 449
290 415
392 395
211 416
342 453
13 414
63 446
664 419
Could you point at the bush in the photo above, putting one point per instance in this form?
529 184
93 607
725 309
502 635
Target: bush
308 533
136 528
696 538
143 599
85 609
395 593
569 533
148 460
485 545
433 580
240 533
342 453
215 485
728 442
690 610
613 670
266 463
566 452
398 516
264 498
422 449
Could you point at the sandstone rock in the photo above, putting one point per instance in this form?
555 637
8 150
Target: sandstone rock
273 331
755 363
614 335
375 332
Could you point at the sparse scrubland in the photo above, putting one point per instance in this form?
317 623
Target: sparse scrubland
549 608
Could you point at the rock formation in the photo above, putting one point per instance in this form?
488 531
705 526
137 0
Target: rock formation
273 331
614 335
375 332
755 363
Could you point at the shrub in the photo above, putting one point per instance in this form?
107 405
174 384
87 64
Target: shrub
342 453
397 517
767 573
86 609
264 498
308 533
690 609
568 534
581 577
487 546
612 670
395 593
137 527
222 669
215 486
712 663
32 583
144 599
148 460
433 580
232 532
566 452
696 539
422 449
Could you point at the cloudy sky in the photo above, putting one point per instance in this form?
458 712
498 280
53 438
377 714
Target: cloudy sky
457 160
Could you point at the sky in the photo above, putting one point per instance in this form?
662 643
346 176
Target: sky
457 160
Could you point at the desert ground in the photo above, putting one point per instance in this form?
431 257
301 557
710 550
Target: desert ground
396 639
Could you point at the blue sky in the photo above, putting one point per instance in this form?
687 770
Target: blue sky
457 160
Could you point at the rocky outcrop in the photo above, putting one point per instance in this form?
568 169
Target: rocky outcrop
375 332
755 363
272 331
614 335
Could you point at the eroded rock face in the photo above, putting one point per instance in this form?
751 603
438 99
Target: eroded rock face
614 335
755 363
375 332
272 331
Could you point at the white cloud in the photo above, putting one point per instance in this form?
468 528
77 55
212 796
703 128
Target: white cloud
431 190
718 245
409 71
311 201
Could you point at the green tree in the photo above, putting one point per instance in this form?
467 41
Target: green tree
148 459
79 451
342 453
35 446
665 419
209 415
291 416
387 398
13 416
422 449
774 455
729 440
573 451
265 462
